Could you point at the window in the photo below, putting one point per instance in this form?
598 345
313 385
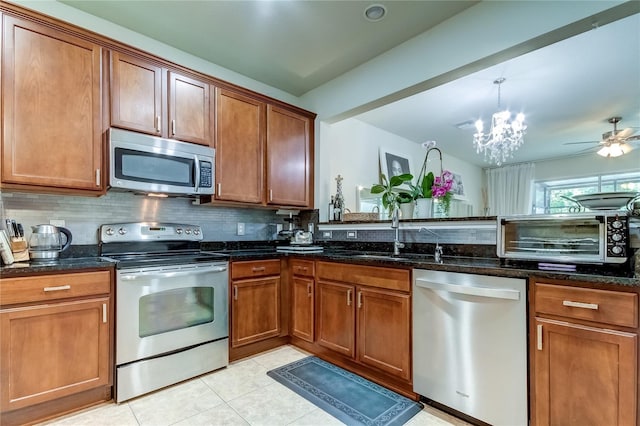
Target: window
556 196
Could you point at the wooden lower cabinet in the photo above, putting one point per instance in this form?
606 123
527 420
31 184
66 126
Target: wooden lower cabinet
363 318
585 375
255 310
584 355
302 314
336 317
55 347
258 293
384 318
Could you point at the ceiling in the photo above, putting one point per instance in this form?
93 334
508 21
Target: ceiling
567 90
295 46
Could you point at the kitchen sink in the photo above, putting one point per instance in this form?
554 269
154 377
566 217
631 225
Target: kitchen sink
380 257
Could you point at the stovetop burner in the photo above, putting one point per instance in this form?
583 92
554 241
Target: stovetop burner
149 244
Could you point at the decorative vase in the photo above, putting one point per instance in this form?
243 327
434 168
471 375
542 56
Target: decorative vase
406 210
423 208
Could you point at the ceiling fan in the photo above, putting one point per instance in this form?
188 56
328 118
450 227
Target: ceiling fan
614 143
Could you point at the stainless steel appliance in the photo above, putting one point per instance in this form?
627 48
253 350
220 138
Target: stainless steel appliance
153 165
45 242
470 344
171 305
588 238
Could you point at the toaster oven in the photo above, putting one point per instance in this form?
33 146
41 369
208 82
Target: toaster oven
594 238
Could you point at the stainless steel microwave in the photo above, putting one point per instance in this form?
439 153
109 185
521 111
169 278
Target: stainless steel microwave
596 238
152 165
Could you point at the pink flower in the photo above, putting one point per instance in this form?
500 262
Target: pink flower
442 184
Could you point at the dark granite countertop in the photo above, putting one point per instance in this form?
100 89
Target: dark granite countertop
454 263
61 265
471 265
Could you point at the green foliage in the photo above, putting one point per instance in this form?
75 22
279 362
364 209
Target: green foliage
391 194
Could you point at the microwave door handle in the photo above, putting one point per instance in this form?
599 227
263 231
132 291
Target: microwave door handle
197 171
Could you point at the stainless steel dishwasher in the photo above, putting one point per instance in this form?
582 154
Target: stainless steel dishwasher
470 344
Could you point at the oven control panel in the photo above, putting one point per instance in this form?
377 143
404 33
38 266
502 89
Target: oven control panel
617 236
149 231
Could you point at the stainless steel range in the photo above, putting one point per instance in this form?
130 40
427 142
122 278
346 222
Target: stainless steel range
171 305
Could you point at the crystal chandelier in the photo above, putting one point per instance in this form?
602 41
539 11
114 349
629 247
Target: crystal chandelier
504 137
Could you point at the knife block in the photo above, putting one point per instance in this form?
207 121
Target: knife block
19 248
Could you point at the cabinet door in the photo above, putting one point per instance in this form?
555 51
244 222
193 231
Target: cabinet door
52 108
52 351
302 311
584 375
384 319
239 127
336 317
189 109
136 94
289 170
255 311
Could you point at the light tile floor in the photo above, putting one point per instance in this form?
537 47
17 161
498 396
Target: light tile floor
241 394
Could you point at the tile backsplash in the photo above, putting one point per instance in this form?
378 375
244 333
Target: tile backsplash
83 215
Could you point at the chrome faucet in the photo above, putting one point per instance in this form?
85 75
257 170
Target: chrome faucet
395 224
437 253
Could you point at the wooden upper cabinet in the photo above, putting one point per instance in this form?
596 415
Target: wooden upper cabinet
289 158
189 109
239 129
136 94
52 97
148 98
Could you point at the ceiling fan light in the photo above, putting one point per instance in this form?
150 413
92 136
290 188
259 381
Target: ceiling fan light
612 150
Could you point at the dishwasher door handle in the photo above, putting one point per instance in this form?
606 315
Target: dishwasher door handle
493 293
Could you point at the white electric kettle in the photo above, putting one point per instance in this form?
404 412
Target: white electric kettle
45 242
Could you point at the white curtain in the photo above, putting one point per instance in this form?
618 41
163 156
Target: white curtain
510 189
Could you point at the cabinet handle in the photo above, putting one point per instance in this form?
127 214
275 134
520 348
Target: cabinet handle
173 127
104 313
235 292
97 177
158 124
348 297
359 299
219 187
271 195
58 288
539 337
582 305
309 289
257 269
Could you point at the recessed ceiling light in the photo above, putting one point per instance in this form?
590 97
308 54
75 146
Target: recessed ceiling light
375 12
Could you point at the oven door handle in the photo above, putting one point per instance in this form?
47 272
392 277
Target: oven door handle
170 272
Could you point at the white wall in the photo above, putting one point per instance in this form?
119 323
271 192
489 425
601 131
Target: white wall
587 165
350 148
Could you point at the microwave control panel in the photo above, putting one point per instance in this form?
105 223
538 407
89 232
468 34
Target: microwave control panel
617 236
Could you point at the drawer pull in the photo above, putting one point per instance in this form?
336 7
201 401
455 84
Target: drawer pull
258 269
58 288
582 305
539 337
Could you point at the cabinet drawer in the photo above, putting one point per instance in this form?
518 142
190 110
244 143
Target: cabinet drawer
303 267
389 278
254 268
52 287
604 306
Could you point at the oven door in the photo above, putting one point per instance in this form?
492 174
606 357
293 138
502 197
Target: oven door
164 309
